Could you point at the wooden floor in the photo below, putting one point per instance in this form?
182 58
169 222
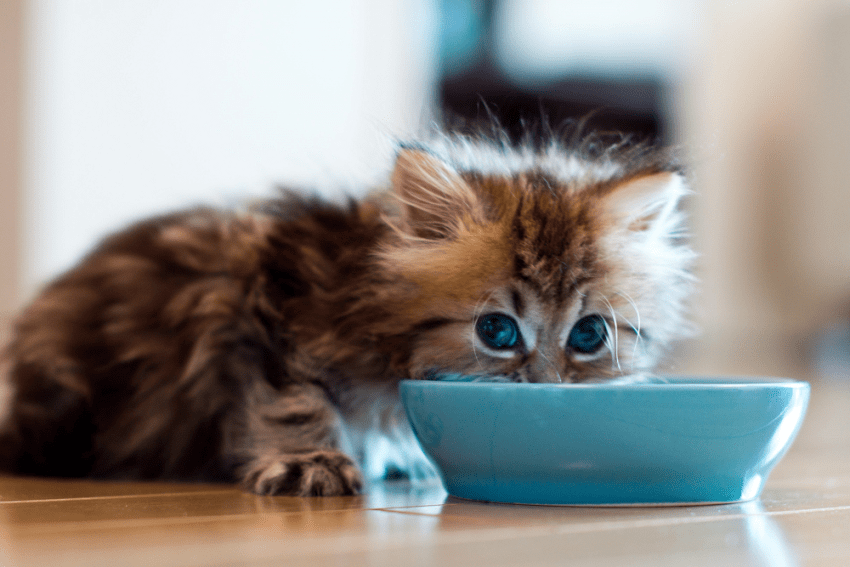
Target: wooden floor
803 518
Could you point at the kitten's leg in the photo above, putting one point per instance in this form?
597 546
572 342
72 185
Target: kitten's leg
290 444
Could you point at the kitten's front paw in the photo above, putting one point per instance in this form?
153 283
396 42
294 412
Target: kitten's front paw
319 473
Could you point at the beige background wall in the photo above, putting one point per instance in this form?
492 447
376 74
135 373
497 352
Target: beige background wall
11 157
765 115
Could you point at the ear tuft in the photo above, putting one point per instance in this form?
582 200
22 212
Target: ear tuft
433 195
648 202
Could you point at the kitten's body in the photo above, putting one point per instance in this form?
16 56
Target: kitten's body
267 346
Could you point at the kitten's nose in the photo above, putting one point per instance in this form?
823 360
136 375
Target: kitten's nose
543 370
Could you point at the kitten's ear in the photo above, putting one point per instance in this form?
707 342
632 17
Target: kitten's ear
648 202
433 194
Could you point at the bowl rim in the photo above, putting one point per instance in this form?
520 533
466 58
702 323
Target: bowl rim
678 382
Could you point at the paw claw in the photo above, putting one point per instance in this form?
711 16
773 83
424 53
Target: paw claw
318 473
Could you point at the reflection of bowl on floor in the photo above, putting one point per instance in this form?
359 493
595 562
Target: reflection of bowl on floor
687 440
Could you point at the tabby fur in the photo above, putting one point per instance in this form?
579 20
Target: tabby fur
265 346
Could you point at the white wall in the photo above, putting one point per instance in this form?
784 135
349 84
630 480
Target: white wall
140 107
543 40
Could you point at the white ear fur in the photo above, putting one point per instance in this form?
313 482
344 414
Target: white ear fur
648 202
433 193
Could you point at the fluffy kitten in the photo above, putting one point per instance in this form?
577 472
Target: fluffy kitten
266 346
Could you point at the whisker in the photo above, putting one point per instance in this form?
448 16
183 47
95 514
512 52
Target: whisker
637 329
614 347
476 314
628 298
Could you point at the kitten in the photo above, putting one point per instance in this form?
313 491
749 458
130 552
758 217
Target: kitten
266 346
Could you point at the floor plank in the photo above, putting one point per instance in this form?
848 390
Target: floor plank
802 518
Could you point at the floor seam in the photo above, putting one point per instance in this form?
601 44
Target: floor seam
115 497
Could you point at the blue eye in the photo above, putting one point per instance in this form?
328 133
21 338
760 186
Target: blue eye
588 334
498 331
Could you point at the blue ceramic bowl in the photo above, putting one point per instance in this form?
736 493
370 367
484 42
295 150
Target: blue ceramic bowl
688 440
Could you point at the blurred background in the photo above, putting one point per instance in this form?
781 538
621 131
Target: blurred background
111 111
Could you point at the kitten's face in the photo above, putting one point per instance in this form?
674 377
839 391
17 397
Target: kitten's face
533 277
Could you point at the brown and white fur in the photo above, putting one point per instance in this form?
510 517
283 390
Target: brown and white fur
266 346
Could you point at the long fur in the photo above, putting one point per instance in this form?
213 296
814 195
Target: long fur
266 346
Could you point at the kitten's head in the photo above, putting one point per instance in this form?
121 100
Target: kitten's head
538 265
